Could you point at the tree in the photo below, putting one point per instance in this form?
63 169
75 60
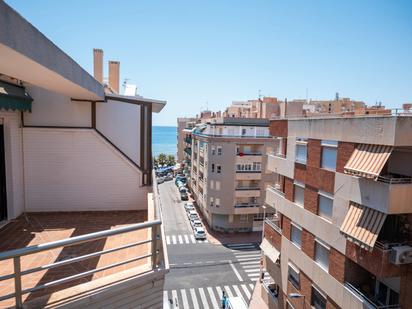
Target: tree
171 160
162 159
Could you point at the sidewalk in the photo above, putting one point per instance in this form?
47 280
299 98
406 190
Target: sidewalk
256 302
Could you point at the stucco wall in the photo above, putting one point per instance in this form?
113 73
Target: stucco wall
120 123
77 170
53 109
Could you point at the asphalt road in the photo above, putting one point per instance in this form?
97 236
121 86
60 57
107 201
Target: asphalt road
200 271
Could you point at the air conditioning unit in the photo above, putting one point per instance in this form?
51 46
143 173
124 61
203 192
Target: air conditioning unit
401 255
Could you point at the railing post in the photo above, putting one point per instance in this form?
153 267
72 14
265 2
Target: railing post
155 238
17 282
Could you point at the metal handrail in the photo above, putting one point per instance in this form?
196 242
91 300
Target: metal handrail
355 290
158 253
273 225
277 191
390 180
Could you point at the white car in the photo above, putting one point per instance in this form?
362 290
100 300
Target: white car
199 233
160 180
196 223
189 206
192 215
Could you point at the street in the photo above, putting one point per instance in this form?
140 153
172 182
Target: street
201 271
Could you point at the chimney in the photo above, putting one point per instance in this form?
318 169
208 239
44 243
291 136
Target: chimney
114 70
98 65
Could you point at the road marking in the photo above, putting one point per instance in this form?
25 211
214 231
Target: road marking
187 263
175 299
180 239
219 291
252 286
245 289
228 291
186 239
168 239
203 298
165 298
235 270
194 299
237 291
248 259
208 262
192 238
213 297
174 240
247 256
184 298
250 262
254 265
251 270
254 274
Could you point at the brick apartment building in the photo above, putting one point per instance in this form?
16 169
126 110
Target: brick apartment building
342 234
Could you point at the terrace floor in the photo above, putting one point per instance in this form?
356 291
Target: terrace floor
38 228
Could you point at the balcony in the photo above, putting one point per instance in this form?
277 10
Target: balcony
279 164
248 175
188 150
247 192
369 301
272 290
188 140
119 252
387 195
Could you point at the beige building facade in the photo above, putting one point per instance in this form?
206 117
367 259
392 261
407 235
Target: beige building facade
341 236
228 172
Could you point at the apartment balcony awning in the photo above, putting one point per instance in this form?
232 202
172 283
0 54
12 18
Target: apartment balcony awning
368 160
362 225
14 97
271 252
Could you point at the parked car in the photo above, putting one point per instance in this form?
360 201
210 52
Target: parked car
199 233
168 177
160 180
184 196
192 215
180 183
189 206
196 223
183 189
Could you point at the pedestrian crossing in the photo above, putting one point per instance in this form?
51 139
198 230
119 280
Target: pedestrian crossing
205 297
183 240
248 259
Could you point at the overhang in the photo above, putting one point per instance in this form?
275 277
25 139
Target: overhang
30 56
157 105
271 252
14 97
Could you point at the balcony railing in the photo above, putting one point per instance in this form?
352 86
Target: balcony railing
273 223
249 153
277 154
276 190
188 140
246 205
158 254
371 303
248 171
271 288
395 180
247 188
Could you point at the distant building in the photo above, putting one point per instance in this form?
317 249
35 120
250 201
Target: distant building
182 124
341 236
228 172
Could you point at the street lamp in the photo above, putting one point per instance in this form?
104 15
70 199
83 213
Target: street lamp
297 295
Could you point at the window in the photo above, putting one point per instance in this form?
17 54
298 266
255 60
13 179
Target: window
256 166
293 275
243 218
213 168
317 300
243 131
219 150
211 202
322 254
217 202
213 150
299 193
325 206
212 184
296 234
301 151
219 169
217 185
329 152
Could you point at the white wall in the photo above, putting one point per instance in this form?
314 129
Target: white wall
53 109
120 123
77 170
14 163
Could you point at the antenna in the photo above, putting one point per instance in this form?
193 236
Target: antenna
259 94
306 95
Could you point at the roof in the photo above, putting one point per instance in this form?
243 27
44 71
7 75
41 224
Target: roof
157 105
368 160
33 58
362 225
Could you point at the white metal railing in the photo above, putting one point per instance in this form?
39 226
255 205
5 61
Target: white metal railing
276 190
274 224
267 283
370 302
277 154
393 180
158 254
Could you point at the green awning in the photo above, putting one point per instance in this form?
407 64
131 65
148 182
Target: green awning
14 97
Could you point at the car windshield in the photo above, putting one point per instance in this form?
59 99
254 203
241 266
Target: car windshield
200 231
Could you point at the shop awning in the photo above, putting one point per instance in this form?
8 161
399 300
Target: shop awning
368 160
271 252
362 225
14 97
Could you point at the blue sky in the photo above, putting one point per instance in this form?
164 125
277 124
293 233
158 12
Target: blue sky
193 53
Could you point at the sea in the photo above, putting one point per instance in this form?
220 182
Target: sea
164 140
